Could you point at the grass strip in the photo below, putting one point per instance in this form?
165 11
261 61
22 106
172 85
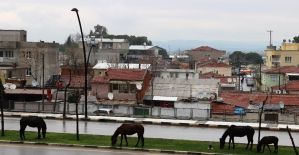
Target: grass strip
150 143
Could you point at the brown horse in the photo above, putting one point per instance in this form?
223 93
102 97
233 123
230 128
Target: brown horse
33 121
237 131
128 129
265 141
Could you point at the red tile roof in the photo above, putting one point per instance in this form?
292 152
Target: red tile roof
213 64
292 85
243 99
205 48
282 70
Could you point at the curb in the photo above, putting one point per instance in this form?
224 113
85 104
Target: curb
163 122
107 147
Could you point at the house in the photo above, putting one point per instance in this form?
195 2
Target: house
206 53
22 60
126 86
279 76
215 67
227 83
292 87
176 73
286 55
101 67
276 104
141 53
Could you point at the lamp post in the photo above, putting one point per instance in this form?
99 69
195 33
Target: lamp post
85 63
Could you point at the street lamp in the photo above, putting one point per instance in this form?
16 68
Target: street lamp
85 62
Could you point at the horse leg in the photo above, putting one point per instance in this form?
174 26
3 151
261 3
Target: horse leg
22 132
121 140
142 140
229 142
38 132
276 147
139 137
233 139
269 148
264 145
126 140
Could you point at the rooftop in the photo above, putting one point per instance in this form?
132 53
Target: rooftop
105 65
140 47
282 70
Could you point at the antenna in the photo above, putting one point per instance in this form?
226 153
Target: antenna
270 31
12 86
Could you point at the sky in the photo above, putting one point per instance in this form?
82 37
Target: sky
242 24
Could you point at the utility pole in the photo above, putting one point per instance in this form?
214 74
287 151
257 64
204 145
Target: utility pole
43 82
270 31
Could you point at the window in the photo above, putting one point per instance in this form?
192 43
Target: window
132 88
28 71
9 54
273 77
28 55
288 59
123 88
1 53
113 87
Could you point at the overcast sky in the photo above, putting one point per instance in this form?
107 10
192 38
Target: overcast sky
159 20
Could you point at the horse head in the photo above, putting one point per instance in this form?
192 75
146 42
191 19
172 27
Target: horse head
259 147
222 142
113 140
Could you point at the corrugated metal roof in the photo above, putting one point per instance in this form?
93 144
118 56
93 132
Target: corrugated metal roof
25 91
140 47
164 98
105 65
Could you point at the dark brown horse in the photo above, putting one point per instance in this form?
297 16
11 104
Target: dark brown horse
237 131
33 121
265 141
128 129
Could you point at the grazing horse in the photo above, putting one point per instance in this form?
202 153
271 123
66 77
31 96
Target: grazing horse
237 131
128 129
32 121
266 141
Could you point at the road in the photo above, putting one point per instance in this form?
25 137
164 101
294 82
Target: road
12 149
152 131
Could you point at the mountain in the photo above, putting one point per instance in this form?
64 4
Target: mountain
173 46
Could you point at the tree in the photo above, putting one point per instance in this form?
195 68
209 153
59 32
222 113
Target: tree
2 102
296 39
163 52
237 58
74 97
253 58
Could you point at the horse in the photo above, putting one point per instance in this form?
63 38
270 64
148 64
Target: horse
32 121
265 141
237 131
128 129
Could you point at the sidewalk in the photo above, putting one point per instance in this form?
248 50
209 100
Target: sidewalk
195 123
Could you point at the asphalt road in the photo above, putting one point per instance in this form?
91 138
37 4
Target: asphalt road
152 131
13 149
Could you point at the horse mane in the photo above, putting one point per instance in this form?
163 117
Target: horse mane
226 133
117 132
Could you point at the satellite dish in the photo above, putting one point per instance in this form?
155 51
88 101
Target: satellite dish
138 86
6 86
110 96
34 83
12 86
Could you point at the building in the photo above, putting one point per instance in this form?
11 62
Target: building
125 86
215 67
279 76
286 55
143 53
176 73
206 53
22 60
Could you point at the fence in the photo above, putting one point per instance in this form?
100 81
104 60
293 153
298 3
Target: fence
152 112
